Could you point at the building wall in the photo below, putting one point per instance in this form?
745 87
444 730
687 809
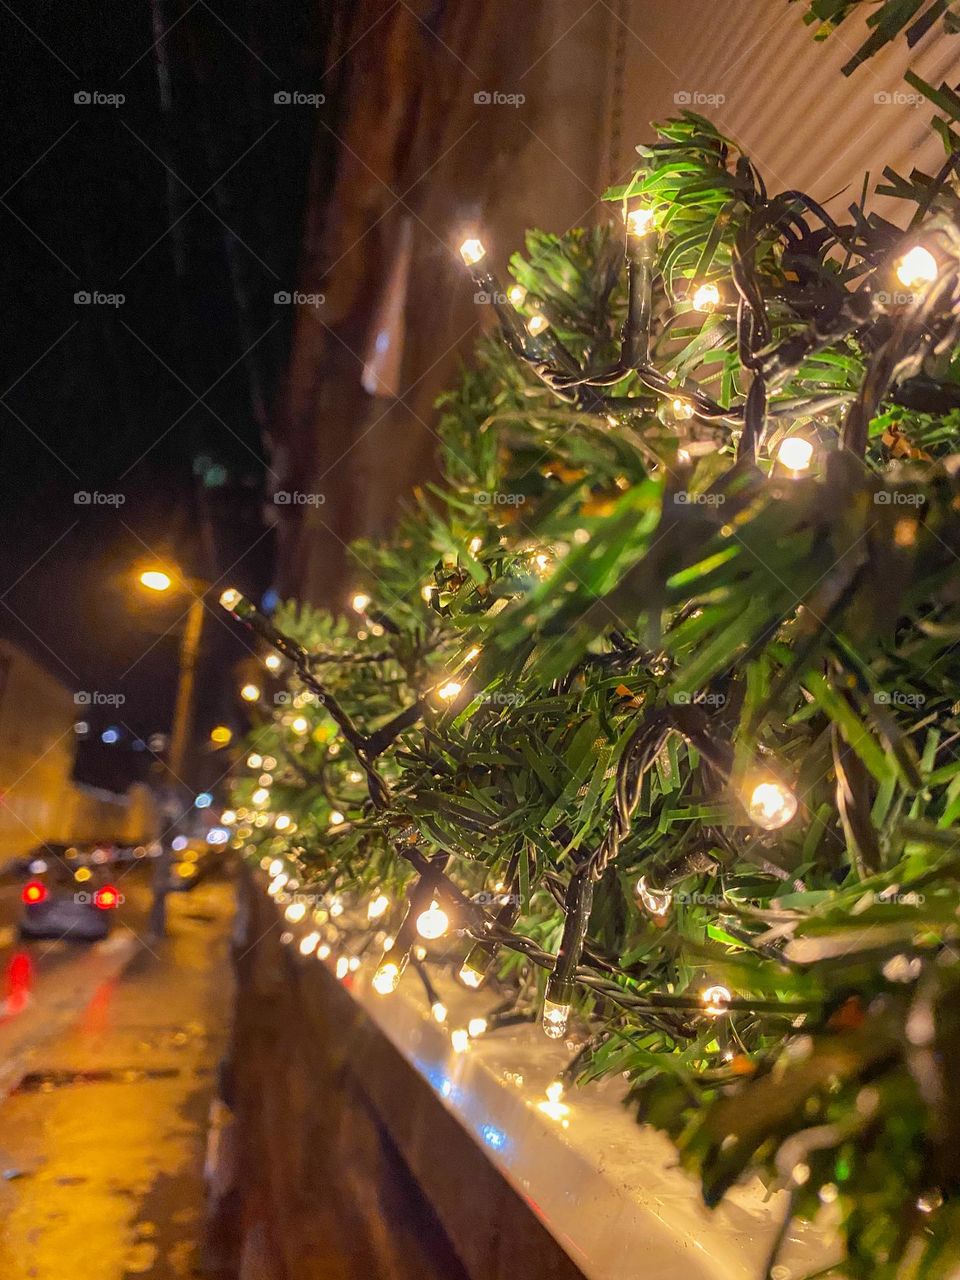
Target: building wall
421 161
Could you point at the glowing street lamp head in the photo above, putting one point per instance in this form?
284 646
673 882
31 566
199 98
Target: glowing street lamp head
472 252
156 580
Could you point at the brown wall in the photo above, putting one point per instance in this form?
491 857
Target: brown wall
420 161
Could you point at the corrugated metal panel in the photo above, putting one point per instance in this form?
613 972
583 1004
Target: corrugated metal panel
761 77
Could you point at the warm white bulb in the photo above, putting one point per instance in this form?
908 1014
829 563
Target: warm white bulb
795 453
543 562
426 592
377 906
471 977
343 967
682 409
336 818
323 951
308 943
276 866
228 817
300 724
706 297
387 978
460 1040
656 901
336 907
272 661
537 324
517 294
640 221
917 267
361 602
555 1018
433 923
439 1011
450 690
771 805
250 693
230 598
254 761
283 821
296 911
260 796
476 1027
716 1001
555 1091
472 251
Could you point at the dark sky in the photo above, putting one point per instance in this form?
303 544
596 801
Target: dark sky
149 404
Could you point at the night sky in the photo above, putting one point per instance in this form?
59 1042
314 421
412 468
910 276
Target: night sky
152 405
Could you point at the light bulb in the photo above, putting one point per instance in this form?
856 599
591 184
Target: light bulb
640 221
476 1027
537 324
682 409
260 796
426 592
228 817
308 943
343 967
336 818
439 1011
795 453
276 866
460 1040
472 251
771 805
296 911
917 267
543 562
555 1018
706 297
555 1091
272 661
230 598
336 907
472 654
360 602
716 1001
353 964
517 293
433 923
254 761
377 906
474 545
387 978
323 951
656 901
250 693
300 724
471 977
265 779
282 821
450 690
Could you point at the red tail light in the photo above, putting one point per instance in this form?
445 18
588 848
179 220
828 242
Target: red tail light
106 898
33 892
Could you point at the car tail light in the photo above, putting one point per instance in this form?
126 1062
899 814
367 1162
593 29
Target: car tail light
34 892
106 898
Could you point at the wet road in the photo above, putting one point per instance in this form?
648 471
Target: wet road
102 1141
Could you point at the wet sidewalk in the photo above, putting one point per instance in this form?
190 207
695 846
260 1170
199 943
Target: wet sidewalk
102 1143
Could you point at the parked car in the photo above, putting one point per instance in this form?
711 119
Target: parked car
66 911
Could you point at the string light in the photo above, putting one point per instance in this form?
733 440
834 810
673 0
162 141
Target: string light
517 294
449 690
336 907
323 951
308 943
460 1040
439 1011
537 323
230 598
433 923
471 976
387 978
250 693
377 906
265 779
343 967
682 409
283 822
228 817
917 267
640 222
476 1027
276 866
716 1001
472 252
336 818
795 453
656 901
273 662
555 1019
360 602
706 297
295 912
771 804
426 592
254 761
300 724
260 796
554 1106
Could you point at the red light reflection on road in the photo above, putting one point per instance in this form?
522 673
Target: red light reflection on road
18 984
